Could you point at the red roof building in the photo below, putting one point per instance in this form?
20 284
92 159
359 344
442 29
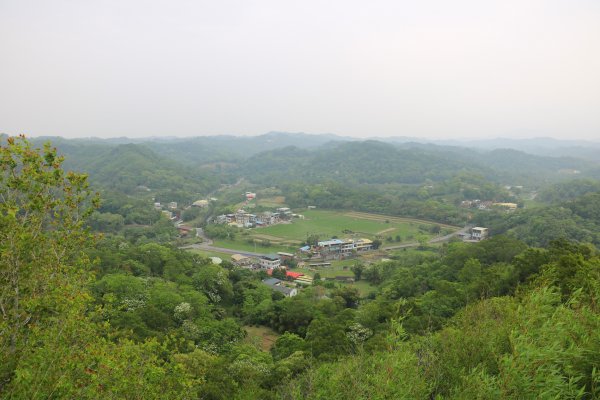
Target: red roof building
289 274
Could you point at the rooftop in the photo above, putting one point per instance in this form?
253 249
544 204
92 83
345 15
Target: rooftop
330 242
271 281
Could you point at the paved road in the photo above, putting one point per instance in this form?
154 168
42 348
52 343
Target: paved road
438 239
208 247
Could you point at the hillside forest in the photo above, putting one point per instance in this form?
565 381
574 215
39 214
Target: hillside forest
103 297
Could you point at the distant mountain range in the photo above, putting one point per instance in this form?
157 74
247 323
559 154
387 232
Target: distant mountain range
195 148
296 156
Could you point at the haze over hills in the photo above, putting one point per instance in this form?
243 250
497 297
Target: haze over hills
334 157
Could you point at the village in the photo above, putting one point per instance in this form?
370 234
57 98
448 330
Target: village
289 271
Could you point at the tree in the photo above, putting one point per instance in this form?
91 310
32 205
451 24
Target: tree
42 234
358 270
286 345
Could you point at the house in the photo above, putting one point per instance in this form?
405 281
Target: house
330 246
270 261
157 206
277 285
479 233
284 213
173 205
241 260
285 256
288 274
343 247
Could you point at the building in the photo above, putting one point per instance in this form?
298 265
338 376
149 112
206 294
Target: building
285 256
241 260
343 247
270 261
277 285
200 203
479 233
173 205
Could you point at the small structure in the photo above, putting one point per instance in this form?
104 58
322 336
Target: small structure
173 205
200 203
506 206
304 280
270 261
184 230
285 256
479 233
241 260
277 285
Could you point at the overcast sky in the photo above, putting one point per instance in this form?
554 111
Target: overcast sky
428 68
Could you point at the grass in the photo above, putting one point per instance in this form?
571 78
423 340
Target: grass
241 244
327 224
260 336
206 253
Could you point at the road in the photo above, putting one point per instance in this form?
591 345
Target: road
208 247
435 240
207 244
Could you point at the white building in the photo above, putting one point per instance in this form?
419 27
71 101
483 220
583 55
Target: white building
270 261
479 233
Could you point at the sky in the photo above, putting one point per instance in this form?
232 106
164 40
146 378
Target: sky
431 68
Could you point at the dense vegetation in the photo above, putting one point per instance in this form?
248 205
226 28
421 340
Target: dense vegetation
129 315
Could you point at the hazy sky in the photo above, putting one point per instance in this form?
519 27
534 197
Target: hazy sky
428 68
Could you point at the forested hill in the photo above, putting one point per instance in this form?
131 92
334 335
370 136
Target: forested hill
284 156
128 168
357 162
203 149
130 315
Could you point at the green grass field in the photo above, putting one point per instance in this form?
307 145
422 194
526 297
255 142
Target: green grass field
261 337
241 244
205 253
327 224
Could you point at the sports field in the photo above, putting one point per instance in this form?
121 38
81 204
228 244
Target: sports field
326 224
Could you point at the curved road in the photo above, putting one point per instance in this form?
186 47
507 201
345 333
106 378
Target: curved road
207 244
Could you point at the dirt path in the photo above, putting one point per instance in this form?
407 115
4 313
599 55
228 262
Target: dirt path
383 218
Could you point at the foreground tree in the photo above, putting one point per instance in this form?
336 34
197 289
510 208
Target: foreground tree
49 345
42 268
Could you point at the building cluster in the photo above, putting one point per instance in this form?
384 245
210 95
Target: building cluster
279 286
338 248
487 205
271 262
243 219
